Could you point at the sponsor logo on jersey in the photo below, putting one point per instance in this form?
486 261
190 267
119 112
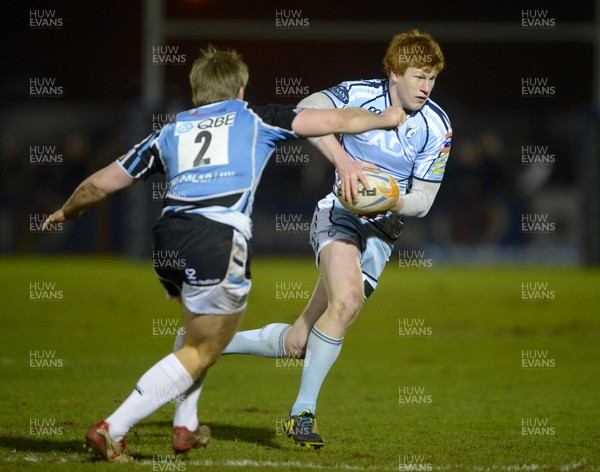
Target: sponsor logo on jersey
217 121
439 165
183 128
340 92
447 141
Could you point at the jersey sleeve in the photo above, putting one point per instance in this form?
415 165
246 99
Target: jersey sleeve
273 114
430 165
339 95
143 159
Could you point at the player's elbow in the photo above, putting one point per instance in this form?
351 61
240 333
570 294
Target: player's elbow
423 211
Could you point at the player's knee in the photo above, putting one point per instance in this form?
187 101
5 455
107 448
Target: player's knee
347 306
206 356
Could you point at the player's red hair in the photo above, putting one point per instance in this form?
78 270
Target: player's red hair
413 49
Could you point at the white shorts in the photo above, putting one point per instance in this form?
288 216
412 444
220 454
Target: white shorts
374 237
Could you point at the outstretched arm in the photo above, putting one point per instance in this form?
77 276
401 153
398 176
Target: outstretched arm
312 122
349 170
94 189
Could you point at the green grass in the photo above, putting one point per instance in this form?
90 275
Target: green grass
475 394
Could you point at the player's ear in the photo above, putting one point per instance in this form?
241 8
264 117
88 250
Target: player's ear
394 76
240 93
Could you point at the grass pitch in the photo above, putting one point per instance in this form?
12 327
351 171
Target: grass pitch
445 369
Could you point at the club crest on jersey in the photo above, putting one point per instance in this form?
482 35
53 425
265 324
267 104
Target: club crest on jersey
411 130
183 128
340 92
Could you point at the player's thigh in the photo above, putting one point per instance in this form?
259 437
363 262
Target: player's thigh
339 264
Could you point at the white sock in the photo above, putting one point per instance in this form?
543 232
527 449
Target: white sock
265 342
321 352
161 383
186 406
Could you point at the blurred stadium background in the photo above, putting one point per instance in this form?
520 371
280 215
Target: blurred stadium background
116 70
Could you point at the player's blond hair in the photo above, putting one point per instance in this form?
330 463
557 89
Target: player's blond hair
413 49
217 75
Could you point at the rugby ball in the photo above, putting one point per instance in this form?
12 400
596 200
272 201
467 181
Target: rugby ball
382 196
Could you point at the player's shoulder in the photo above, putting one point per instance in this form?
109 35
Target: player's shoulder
275 115
364 88
435 117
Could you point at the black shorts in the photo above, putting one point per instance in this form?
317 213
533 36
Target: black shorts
204 261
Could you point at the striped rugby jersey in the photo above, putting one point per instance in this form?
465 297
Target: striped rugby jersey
419 148
213 156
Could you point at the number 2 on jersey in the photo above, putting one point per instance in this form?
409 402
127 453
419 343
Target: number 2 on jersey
203 148
203 137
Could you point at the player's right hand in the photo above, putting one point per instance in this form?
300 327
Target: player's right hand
397 116
350 173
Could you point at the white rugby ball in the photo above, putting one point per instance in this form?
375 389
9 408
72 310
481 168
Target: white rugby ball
382 196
